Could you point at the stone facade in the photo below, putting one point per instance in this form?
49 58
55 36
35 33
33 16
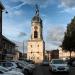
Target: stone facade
8 49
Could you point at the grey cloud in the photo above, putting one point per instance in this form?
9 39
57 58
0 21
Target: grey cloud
55 35
68 3
56 43
20 46
22 34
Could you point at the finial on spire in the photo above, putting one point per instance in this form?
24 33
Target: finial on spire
37 10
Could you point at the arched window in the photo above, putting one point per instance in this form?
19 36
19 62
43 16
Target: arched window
31 46
35 34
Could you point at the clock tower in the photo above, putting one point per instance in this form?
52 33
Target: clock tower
36 45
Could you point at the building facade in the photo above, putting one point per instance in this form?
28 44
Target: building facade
36 45
55 54
1 10
63 54
47 55
7 47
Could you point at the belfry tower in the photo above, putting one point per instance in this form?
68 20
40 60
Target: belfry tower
36 45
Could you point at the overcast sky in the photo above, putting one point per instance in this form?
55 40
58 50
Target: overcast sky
56 14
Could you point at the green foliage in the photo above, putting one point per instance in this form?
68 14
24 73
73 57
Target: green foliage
69 38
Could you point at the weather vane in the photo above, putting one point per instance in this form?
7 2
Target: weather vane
37 10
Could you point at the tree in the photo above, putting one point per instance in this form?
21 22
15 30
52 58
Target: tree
68 43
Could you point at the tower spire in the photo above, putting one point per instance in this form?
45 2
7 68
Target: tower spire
37 10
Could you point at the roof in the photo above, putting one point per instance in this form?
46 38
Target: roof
4 38
36 19
1 6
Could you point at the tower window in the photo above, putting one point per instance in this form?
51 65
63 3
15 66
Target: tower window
38 52
37 57
37 45
35 34
31 46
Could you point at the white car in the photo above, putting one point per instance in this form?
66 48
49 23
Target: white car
27 68
5 71
58 65
10 65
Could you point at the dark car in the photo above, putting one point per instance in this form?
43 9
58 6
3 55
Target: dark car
71 62
45 63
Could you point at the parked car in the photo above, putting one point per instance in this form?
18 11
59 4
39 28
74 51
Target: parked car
71 62
30 64
10 65
58 65
27 67
46 62
5 71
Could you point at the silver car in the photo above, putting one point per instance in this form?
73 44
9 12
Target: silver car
5 71
58 65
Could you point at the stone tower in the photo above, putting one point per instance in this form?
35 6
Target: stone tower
36 45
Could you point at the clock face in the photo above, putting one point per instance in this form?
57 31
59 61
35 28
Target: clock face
35 27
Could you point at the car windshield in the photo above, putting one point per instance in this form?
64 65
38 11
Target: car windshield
58 62
6 64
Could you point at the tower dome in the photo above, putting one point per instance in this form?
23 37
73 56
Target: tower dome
36 18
